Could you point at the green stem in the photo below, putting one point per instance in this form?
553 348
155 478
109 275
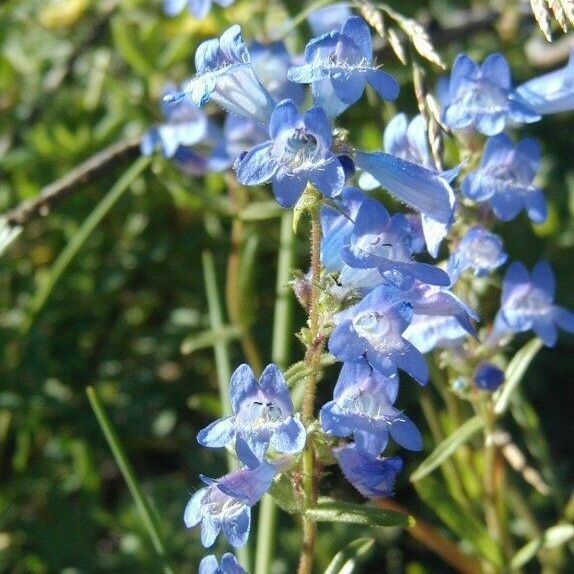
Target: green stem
280 356
312 360
222 362
448 468
491 493
145 509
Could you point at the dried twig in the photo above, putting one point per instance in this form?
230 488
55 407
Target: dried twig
72 182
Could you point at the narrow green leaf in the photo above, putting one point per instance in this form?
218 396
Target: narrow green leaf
328 510
351 556
465 526
284 495
222 359
553 537
261 211
514 373
447 448
79 239
143 505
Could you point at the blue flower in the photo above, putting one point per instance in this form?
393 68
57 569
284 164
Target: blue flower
372 476
381 241
225 504
186 125
480 96
337 225
424 190
228 565
479 250
225 75
505 178
339 65
189 137
271 62
550 93
298 153
241 134
408 141
362 405
528 303
427 332
488 377
198 8
263 417
330 18
372 329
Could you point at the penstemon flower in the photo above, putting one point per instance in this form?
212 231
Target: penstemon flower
372 476
228 565
197 8
550 93
298 153
337 225
225 75
263 417
224 505
384 242
372 329
271 62
425 190
362 405
505 177
479 250
481 96
528 303
339 65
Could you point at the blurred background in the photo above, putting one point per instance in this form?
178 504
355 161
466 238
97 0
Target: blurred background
128 313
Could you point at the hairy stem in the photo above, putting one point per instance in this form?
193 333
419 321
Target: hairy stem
312 361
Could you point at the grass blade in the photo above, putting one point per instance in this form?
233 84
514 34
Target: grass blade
447 448
79 240
140 499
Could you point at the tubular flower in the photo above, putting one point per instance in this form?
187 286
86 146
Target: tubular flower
225 75
550 93
481 96
372 329
198 8
505 178
338 65
479 250
228 565
362 405
424 190
372 476
337 225
381 241
528 303
263 417
298 153
225 504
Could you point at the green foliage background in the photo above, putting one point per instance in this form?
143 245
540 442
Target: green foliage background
75 77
